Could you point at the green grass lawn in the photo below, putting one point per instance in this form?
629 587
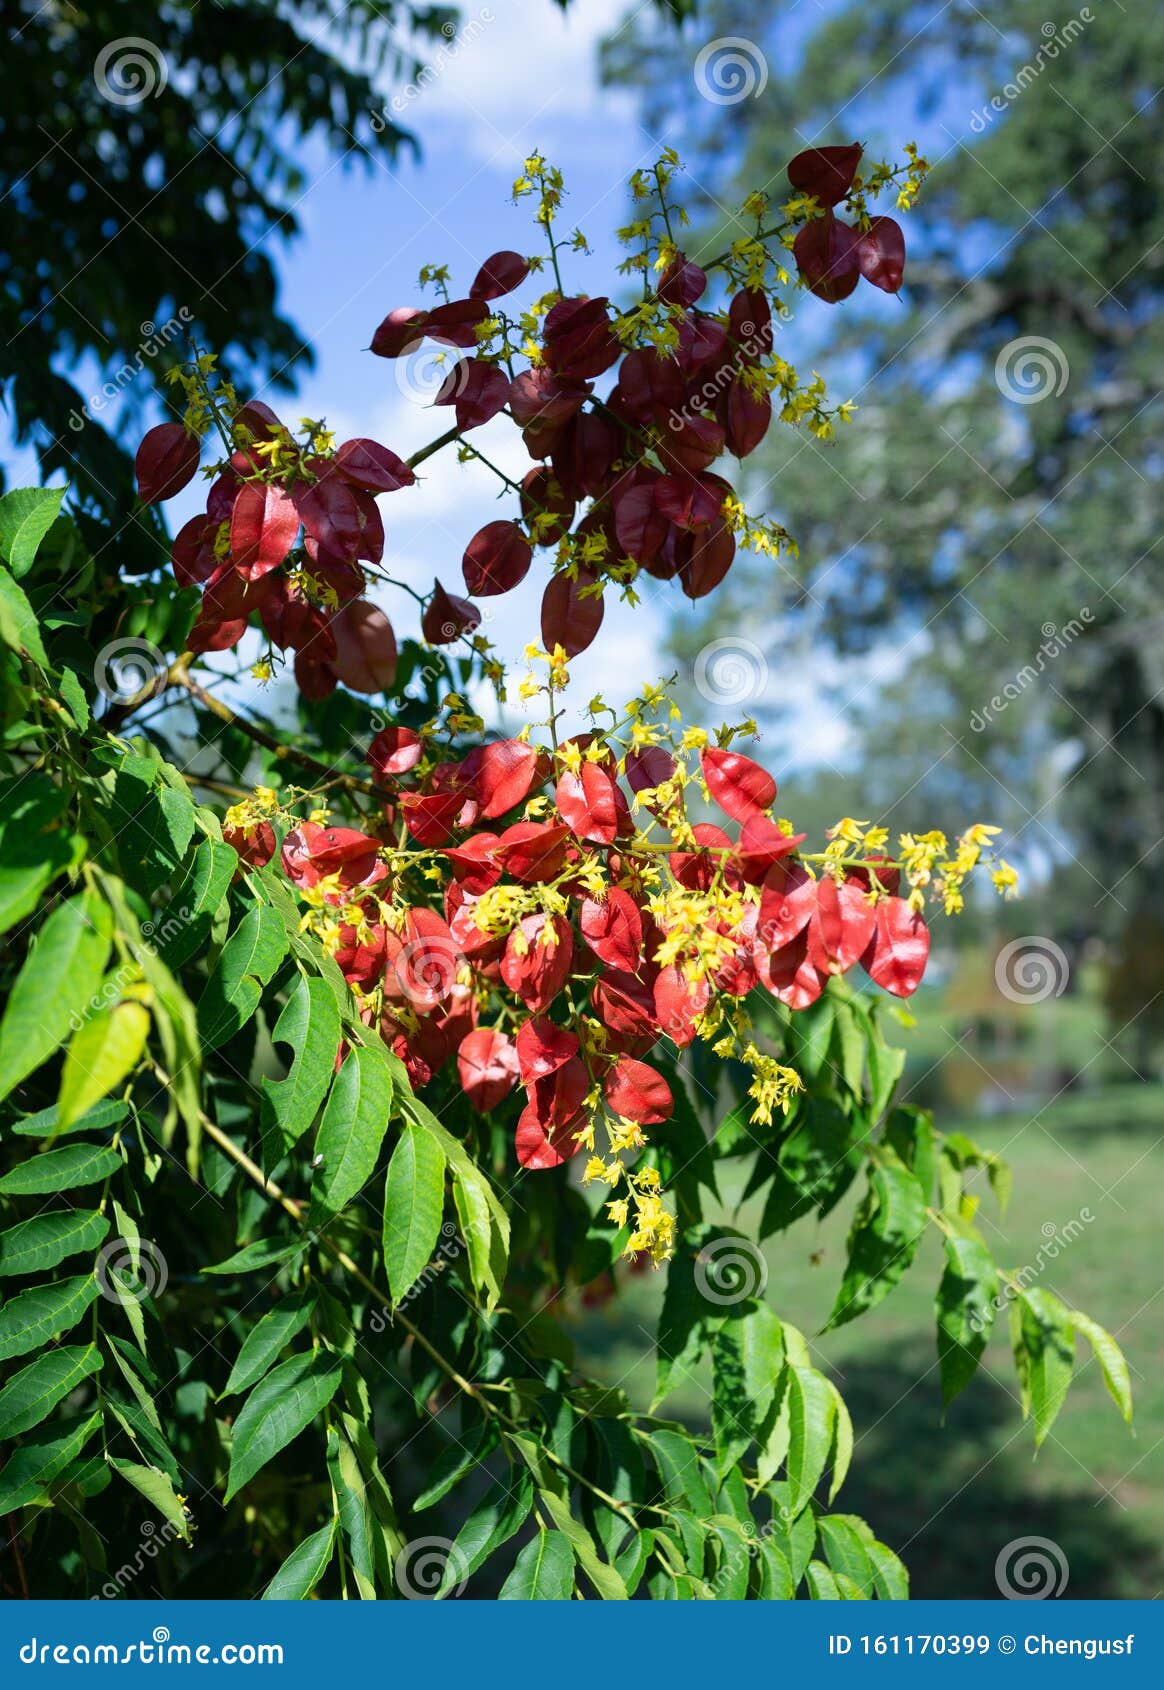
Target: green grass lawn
950 1496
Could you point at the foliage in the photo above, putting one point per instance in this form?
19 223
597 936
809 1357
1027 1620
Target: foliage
251 1267
1008 431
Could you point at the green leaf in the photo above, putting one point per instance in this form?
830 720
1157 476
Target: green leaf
776 1581
841 1537
606 1581
1109 1356
66 1169
158 1490
59 978
309 1023
454 1462
276 1411
36 1390
262 1344
39 1244
484 1220
41 1458
822 1586
889 1576
414 1201
811 1415
1044 1346
26 515
74 697
352 1130
19 628
842 1450
502 1511
35 843
102 1052
247 964
46 1122
543 1572
197 899
262 1253
304 1567
966 1303
885 1234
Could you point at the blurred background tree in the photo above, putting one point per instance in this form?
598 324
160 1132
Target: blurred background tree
192 188
994 523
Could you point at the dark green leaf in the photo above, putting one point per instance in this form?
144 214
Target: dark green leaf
352 1130
303 1568
543 1572
276 1411
414 1200
66 1169
39 1244
56 985
36 1390
44 1312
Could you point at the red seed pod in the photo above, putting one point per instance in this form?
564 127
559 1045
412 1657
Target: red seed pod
841 926
543 1048
167 461
263 526
789 974
533 851
571 615
487 1065
826 256
637 1093
533 970
578 338
446 617
367 464
625 1004
255 844
476 389
736 783
586 803
613 929
394 751
825 172
365 657
401 331
496 559
786 906
899 949
679 1002
881 254
501 774
499 275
